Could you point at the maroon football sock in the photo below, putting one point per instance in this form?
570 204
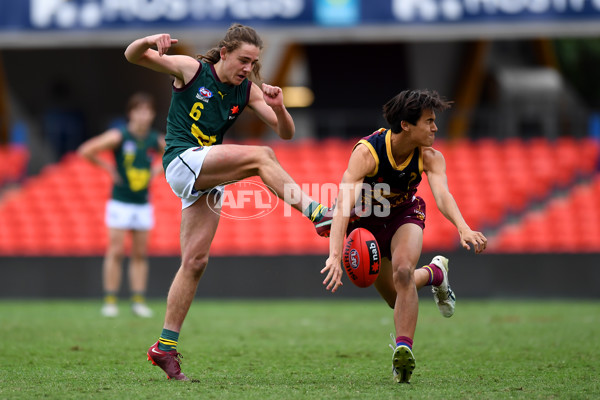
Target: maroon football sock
404 340
436 276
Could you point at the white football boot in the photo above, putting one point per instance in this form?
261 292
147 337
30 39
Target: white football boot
403 364
443 294
110 310
141 310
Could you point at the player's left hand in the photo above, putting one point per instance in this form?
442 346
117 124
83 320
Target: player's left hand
273 95
477 239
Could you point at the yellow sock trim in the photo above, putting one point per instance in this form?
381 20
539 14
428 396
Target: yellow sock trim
138 298
316 213
430 273
168 342
110 299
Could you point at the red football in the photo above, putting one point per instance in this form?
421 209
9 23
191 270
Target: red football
361 257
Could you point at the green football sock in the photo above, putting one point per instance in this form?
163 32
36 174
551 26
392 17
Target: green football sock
315 211
168 340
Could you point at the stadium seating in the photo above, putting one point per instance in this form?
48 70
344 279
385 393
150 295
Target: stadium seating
569 223
527 195
13 164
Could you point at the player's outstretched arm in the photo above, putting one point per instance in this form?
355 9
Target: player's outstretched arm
435 167
361 163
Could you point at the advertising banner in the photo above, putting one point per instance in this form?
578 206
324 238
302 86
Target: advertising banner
61 15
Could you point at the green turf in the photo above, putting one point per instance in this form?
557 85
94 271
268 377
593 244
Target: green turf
302 350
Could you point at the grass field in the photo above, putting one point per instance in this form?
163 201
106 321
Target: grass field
303 350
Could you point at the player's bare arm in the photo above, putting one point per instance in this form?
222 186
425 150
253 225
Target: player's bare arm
151 52
361 164
434 165
91 148
268 105
157 168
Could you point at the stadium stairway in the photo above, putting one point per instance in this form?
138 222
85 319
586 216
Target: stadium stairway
61 210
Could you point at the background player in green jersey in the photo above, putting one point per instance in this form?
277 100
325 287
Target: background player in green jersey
135 147
397 157
208 95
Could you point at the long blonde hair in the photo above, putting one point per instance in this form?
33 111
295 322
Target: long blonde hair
234 37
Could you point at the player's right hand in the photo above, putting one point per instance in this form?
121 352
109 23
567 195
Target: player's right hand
114 175
333 280
162 41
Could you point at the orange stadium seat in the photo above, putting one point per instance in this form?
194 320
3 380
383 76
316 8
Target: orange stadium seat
61 210
14 163
566 224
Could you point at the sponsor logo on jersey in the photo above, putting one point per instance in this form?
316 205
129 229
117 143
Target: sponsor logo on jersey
204 94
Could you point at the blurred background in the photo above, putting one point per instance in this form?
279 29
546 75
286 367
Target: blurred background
521 141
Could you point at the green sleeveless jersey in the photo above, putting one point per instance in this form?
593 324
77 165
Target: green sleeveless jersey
202 111
133 158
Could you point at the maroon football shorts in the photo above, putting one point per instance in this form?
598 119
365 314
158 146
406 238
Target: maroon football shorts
384 227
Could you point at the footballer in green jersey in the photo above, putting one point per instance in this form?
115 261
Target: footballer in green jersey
208 96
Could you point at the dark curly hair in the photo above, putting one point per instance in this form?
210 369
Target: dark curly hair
408 106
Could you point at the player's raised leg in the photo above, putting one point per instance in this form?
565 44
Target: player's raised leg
442 294
246 161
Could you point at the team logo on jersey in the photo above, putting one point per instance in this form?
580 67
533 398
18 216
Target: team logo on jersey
419 214
204 94
129 147
234 112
